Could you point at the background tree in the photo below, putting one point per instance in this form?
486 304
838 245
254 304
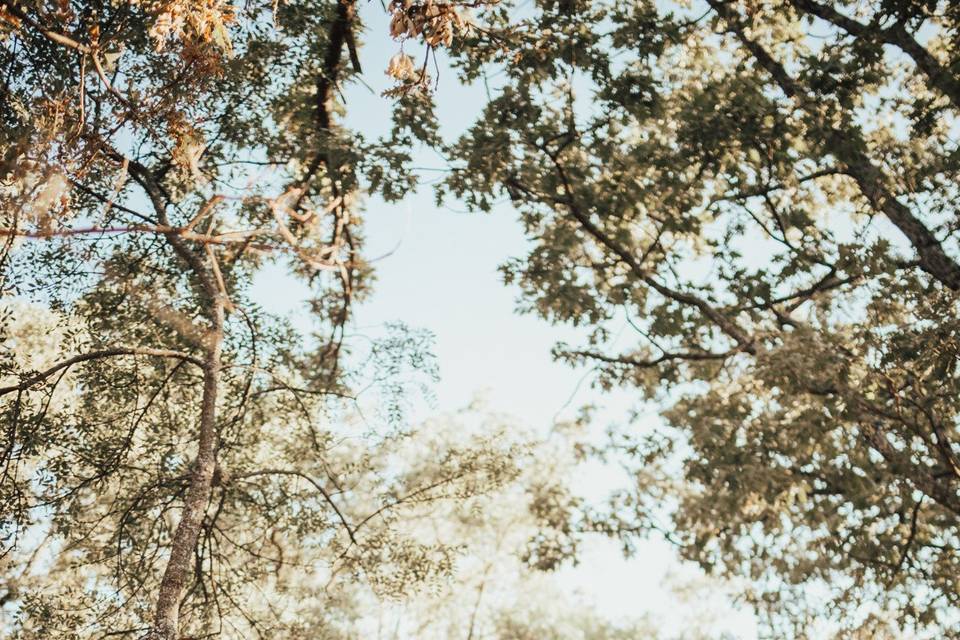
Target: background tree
764 193
497 588
443 523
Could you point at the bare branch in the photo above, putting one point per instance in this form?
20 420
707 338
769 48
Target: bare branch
316 485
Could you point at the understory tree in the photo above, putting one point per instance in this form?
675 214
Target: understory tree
763 193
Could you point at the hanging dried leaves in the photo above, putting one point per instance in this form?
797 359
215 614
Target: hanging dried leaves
204 21
436 23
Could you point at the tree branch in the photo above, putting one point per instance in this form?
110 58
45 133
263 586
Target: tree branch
341 33
654 362
847 145
726 325
95 355
895 35
326 495
184 541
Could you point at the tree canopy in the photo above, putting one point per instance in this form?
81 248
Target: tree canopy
763 191
766 192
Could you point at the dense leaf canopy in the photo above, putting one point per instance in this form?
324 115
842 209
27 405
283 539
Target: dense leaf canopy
764 192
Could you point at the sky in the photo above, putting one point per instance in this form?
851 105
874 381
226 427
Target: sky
438 272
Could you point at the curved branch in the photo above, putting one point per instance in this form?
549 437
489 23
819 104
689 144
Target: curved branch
326 495
725 324
96 355
159 199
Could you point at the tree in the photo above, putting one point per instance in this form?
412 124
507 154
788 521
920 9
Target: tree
156 155
765 194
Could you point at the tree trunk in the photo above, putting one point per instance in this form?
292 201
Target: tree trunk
167 618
